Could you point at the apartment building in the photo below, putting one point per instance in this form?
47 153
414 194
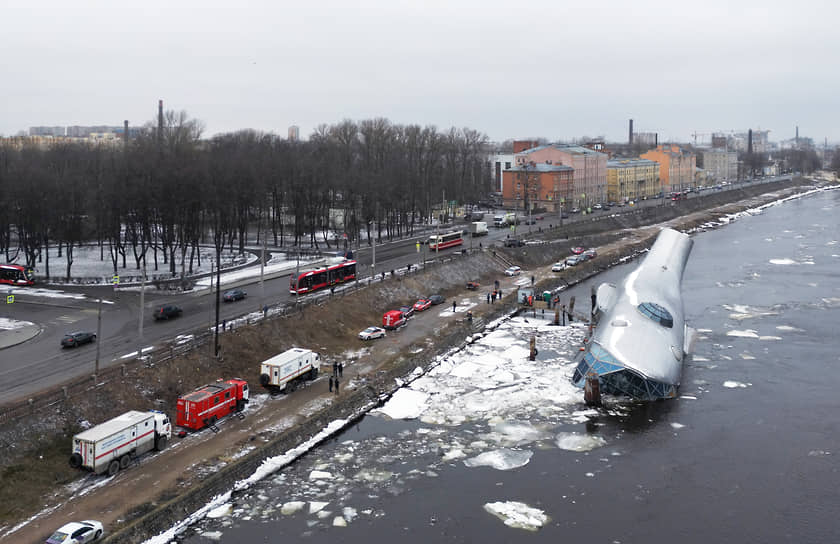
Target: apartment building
632 179
541 186
589 185
720 165
676 166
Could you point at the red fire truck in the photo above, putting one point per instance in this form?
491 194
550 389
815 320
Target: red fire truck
209 403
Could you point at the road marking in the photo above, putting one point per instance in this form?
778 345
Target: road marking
66 319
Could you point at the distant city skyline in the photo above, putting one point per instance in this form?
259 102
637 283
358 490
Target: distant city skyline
552 71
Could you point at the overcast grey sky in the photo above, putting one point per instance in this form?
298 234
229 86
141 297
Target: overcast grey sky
556 69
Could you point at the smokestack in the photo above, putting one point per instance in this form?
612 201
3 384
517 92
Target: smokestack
749 142
655 139
160 120
125 132
630 139
797 134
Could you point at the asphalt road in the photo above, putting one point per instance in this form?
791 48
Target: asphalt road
41 363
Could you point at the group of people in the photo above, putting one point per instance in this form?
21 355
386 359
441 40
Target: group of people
493 295
337 372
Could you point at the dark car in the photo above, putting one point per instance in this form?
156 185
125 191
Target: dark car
408 311
73 339
514 242
234 295
437 299
165 312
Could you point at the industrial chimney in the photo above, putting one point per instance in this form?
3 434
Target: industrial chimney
630 139
125 132
160 121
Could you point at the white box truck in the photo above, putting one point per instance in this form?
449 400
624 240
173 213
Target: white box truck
111 446
284 372
478 228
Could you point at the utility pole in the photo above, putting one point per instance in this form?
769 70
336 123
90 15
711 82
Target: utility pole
98 339
210 317
262 275
142 299
218 284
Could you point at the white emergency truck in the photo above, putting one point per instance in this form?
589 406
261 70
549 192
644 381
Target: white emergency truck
111 446
284 372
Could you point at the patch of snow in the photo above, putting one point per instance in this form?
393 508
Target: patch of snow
749 333
517 515
579 442
731 384
292 507
501 459
404 404
220 511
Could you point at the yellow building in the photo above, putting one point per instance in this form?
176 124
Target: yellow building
632 179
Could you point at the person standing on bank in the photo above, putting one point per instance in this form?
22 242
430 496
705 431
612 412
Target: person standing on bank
453 306
336 385
341 369
335 368
331 384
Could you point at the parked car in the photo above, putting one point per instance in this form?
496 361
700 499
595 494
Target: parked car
77 532
574 259
513 271
437 299
530 221
514 242
558 267
598 206
589 254
473 285
75 339
165 312
575 210
371 333
422 304
407 310
578 250
234 295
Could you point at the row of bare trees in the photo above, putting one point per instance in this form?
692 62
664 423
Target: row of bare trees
164 193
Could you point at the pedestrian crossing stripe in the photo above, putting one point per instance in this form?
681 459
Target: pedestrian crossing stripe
67 319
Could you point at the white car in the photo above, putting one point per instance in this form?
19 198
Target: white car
372 332
558 267
513 271
77 532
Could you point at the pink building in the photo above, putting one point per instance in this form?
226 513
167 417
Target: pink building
589 185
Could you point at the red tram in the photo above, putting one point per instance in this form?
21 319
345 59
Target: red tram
319 278
450 239
14 274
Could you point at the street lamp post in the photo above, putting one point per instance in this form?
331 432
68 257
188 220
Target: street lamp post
142 302
98 338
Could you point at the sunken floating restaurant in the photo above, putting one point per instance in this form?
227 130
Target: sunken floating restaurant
640 338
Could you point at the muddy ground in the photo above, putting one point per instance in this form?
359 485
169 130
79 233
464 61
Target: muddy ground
167 486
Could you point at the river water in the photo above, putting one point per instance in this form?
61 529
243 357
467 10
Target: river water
490 447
